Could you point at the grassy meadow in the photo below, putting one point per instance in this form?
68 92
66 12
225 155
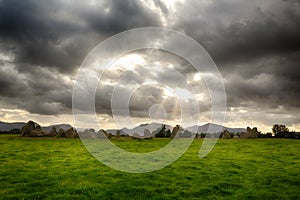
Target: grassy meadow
59 168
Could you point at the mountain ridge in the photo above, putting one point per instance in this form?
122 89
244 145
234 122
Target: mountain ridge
7 126
213 128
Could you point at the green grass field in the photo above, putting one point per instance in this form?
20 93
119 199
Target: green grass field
57 168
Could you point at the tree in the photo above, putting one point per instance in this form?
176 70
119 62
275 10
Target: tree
168 133
226 134
118 133
202 135
161 132
280 130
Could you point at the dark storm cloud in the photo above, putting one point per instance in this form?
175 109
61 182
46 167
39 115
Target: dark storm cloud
60 34
44 39
10 83
255 44
120 15
42 91
230 35
251 39
34 36
268 82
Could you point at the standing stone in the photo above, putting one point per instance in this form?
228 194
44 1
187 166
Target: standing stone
175 131
71 133
53 132
226 135
147 133
251 133
118 134
32 129
61 133
101 134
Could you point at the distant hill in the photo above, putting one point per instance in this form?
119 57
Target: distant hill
114 131
140 129
195 129
57 126
7 126
214 128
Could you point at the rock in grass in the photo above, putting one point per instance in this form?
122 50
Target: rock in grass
61 133
226 135
251 133
71 133
32 129
53 132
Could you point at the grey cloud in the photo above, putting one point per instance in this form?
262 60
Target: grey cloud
120 15
143 97
265 90
10 84
44 92
233 36
160 4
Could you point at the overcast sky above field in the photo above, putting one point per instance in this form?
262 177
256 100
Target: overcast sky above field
255 44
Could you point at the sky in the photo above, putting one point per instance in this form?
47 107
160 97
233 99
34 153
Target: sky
255 45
